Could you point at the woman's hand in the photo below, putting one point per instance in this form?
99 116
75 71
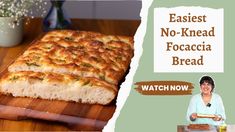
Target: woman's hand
217 118
193 116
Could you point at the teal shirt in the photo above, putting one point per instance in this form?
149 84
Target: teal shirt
197 105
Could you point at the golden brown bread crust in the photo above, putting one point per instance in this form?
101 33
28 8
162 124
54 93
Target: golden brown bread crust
55 86
205 116
87 54
56 79
72 66
198 127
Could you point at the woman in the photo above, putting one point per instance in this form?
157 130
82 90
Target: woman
207 102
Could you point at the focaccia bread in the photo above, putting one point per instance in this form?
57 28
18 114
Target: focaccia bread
72 66
205 116
58 86
87 54
202 127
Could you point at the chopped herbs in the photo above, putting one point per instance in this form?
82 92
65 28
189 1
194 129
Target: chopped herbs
36 57
77 78
68 38
86 64
95 59
118 58
86 83
60 60
110 48
32 64
47 47
102 77
14 78
40 78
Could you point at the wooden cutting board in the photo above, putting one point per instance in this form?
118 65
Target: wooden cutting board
76 116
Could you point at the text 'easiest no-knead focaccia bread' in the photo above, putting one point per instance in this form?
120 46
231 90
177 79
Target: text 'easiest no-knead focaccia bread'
70 65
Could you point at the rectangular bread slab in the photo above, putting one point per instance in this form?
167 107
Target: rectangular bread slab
54 86
70 65
87 54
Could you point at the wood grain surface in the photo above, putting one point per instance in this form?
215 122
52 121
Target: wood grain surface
38 114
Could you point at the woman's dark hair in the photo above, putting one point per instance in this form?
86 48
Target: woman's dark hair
209 80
